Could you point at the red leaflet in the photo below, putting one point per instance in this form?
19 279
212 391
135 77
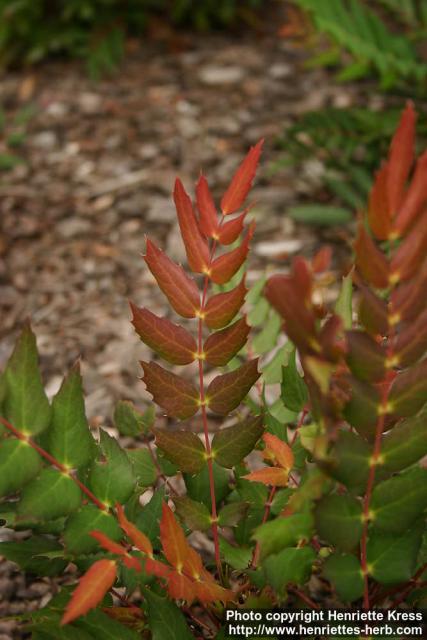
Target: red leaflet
370 262
169 340
208 221
180 290
411 344
379 213
278 451
157 568
195 245
224 267
416 197
175 395
92 588
176 549
409 299
231 230
221 308
401 158
372 311
226 392
138 538
365 357
272 476
221 346
322 260
411 252
241 181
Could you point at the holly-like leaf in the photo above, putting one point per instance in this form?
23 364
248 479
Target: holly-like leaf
349 462
231 514
195 244
415 197
93 586
79 525
171 341
143 465
19 463
69 437
370 261
345 573
221 308
112 479
165 619
51 495
284 532
241 182
229 231
25 405
138 538
183 448
294 390
231 445
226 266
38 554
195 515
365 357
278 452
339 521
208 220
178 397
392 558
198 486
289 566
223 345
405 495
408 393
226 391
237 557
405 444
270 476
148 518
180 289
131 422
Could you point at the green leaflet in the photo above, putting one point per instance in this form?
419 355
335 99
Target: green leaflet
231 445
147 518
69 439
26 405
231 514
392 558
39 555
405 444
237 557
183 448
345 573
143 466
78 526
165 619
198 485
277 534
349 462
338 520
131 422
19 463
112 480
51 495
343 305
294 390
195 515
289 566
317 214
396 503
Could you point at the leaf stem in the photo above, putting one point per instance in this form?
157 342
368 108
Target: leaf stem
55 463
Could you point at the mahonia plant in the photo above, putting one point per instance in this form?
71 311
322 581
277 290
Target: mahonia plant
333 510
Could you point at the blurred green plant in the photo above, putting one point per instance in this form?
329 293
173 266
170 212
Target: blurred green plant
13 133
95 30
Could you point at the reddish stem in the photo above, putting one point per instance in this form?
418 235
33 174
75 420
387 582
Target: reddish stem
55 463
304 597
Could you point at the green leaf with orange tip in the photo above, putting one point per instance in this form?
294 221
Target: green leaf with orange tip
195 514
227 265
93 586
405 444
365 356
196 247
171 341
51 495
25 404
221 308
112 478
178 397
208 217
231 230
408 392
370 261
178 287
183 448
227 391
415 198
223 345
231 445
19 463
241 182
80 523
69 439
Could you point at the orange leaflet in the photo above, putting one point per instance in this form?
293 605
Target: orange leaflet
416 197
410 255
221 308
272 476
176 548
226 392
221 346
138 538
370 261
278 451
224 267
379 213
195 245
93 586
113 547
180 587
178 287
322 260
175 395
169 340
241 181
401 158
231 230
208 220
